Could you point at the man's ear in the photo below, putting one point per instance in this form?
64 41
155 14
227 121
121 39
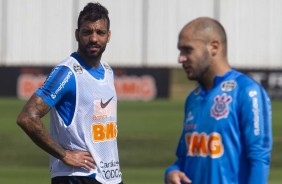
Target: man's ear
109 36
214 47
76 34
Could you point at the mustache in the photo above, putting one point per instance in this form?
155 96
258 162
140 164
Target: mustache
185 65
93 44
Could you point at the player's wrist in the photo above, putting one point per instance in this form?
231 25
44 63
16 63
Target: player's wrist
170 169
60 153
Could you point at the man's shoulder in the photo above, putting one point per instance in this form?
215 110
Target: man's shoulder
69 64
247 85
68 61
243 80
106 65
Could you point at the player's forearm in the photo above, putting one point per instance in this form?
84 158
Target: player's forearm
259 172
35 129
176 166
30 121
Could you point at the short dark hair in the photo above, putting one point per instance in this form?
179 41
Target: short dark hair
93 12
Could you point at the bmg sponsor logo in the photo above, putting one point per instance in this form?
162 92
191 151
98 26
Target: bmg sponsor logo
104 132
201 144
27 84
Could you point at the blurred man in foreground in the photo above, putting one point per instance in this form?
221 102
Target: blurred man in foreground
226 137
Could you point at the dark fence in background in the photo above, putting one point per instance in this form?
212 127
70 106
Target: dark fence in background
271 80
131 83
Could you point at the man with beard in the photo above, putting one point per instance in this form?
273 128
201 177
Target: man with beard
81 98
226 136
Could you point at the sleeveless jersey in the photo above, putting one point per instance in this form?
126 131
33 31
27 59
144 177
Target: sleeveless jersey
93 127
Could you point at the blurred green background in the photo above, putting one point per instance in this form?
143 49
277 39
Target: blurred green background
148 136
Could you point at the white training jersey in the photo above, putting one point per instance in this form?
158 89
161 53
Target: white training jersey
93 127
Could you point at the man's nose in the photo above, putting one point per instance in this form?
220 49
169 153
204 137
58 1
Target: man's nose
94 37
182 59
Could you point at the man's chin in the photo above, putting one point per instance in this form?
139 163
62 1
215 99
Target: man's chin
191 77
93 55
96 54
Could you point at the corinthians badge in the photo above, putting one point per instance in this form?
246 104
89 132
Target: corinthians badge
220 108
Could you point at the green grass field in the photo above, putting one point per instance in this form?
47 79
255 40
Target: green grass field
145 129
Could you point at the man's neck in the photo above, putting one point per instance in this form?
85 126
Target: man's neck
219 70
93 62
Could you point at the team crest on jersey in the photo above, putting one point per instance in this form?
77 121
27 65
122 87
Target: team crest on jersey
220 108
228 85
78 69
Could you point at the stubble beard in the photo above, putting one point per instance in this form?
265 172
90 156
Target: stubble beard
201 70
95 56
91 55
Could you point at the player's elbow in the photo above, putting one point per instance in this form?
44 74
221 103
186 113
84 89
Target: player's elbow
23 120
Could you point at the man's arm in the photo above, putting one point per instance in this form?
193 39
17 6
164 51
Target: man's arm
30 121
255 121
173 175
